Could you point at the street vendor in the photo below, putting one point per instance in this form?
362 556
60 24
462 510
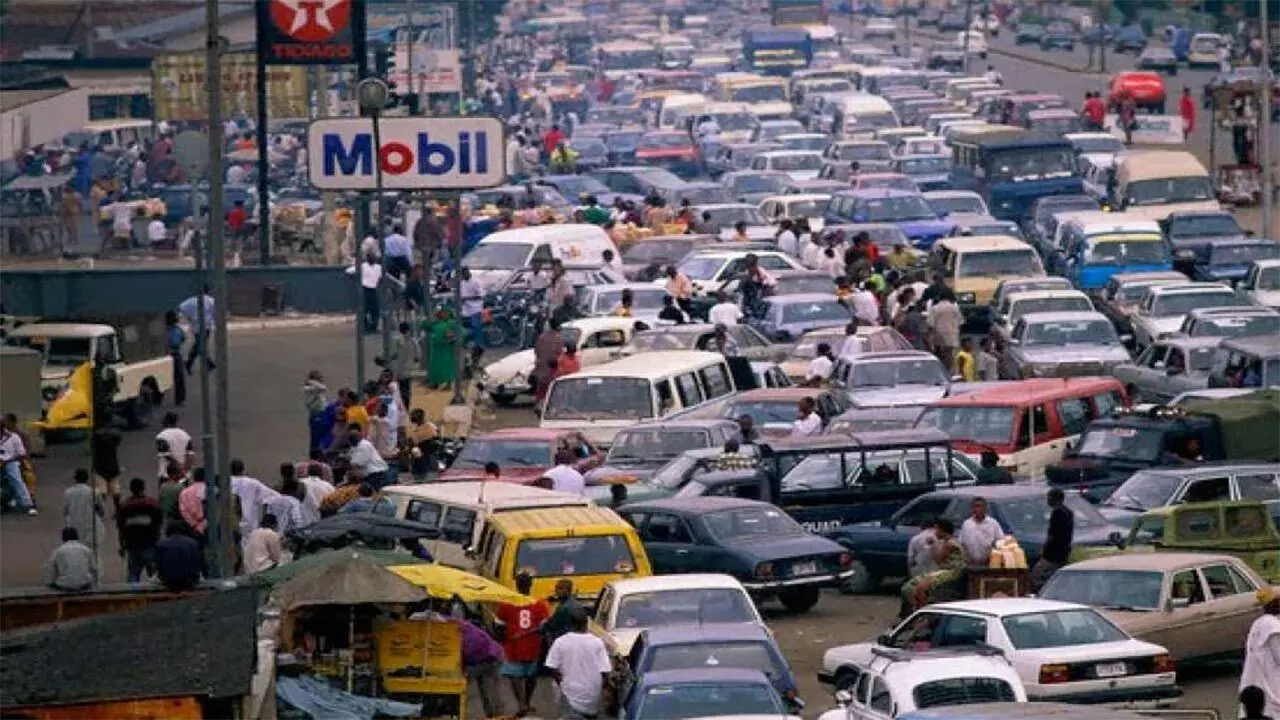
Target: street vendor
949 558
979 534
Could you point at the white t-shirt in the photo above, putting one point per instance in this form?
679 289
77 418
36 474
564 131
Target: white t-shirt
253 494
865 307
725 313
179 442
566 479
582 661
156 231
370 275
852 346
472 298
977 538
806 426
787 243
819 367
317 490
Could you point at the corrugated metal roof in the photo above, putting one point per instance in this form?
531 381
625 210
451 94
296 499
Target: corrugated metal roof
14 99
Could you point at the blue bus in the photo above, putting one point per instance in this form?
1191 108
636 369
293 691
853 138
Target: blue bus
1011 167
776 50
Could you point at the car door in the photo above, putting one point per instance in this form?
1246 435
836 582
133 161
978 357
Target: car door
885 555
1149 370
1177 376
1230 608
599 346
1183 614
668 542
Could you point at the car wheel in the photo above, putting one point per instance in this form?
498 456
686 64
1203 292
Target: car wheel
800 600
861 581
502 399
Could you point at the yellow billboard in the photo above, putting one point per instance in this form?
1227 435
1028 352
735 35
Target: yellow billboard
181 94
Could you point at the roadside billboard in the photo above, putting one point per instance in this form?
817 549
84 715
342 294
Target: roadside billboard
457 153
181 93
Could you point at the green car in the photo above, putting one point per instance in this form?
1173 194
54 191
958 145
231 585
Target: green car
1241 528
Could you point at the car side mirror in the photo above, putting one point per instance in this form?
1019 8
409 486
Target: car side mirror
1158 365
1176 603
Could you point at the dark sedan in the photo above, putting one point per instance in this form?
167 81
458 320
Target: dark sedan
880 549
637 452
1160 59
1028 33
759 544
1058 35
1129 38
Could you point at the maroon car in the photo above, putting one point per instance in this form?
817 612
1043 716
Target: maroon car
523 454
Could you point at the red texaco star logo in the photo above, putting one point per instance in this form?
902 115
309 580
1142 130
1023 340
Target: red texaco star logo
311 20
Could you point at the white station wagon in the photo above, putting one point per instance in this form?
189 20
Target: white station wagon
1061 651
627 607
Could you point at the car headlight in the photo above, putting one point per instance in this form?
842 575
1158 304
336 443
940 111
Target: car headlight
967 298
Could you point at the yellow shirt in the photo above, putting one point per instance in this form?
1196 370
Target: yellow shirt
358 415
965 366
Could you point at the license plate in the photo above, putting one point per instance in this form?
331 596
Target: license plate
1110 670
804 568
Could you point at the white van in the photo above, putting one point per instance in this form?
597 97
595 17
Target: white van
459 510
861 115
110 136
499 255
669 115
652 385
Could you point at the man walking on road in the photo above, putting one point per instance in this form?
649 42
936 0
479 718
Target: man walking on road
139 522
522 643
579 662
1057 541
191 310
175 338
1187 109
12 452
404 358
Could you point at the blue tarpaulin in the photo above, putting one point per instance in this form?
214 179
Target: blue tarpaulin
322 701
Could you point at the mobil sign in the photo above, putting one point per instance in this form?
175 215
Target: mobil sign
456 153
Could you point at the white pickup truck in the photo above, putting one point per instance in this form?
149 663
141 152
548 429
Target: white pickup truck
141 384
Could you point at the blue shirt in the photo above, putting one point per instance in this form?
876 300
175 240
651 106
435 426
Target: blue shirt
398 245
176 338
192 305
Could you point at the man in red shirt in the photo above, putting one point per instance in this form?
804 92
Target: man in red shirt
522 643
236 220
1095 111
1187 108
552 139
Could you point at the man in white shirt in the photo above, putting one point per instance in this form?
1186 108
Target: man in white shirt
253 495
808 423
580 665
852 345
473 306
820 366
370 279
1261 667
865 307
787 240
157 233
979 534
564 476
177 443
262 549
724 312
317 489
236 175
191 310
366 461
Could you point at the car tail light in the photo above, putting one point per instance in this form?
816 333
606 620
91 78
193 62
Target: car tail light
845 560
1164 663
764 570
1051 674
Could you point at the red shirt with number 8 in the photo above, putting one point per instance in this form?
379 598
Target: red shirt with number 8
522 641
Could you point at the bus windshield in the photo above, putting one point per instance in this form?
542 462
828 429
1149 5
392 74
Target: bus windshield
1027 164
599 398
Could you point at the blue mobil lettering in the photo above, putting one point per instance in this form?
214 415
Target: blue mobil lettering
465 154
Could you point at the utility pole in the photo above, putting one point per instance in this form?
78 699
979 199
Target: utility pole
1266 135
220 523
410 38
968 25
1100 20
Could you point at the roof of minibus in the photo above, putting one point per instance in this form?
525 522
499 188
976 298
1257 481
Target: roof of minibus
983 243
1099 221
1145 165
656 364
1022 392
1007 137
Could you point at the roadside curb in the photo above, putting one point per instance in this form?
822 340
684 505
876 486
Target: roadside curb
289 323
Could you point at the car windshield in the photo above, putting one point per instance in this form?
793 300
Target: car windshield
1122 443
701 267
775 412
1097 145
658 340
1060 628
704 195
771 130
727 217
1125 250
581 555
744 184
1106 589
804 284
507 453
1144 491
1029 516
498 256
1048 304
1243 254
958 204
806 142
759 94
1056 125
643 299
656 251
925 166
630 59
798 161
683 607
702 700
1164 191
1030 164
1070 332
734 121
865 152
58 351
896 209
599 398
999 262
887 182
747 655
807 208
655 443
1181 303
810 312
1269 278
898 372
981 425
1223 225
753 522
665 141
1236 326
962 691
579 185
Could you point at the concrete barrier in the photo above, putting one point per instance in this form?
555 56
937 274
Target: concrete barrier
251 291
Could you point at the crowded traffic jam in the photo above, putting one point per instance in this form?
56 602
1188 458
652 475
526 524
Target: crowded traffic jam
797 308
841 319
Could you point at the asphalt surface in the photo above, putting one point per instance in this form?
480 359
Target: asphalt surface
268 426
